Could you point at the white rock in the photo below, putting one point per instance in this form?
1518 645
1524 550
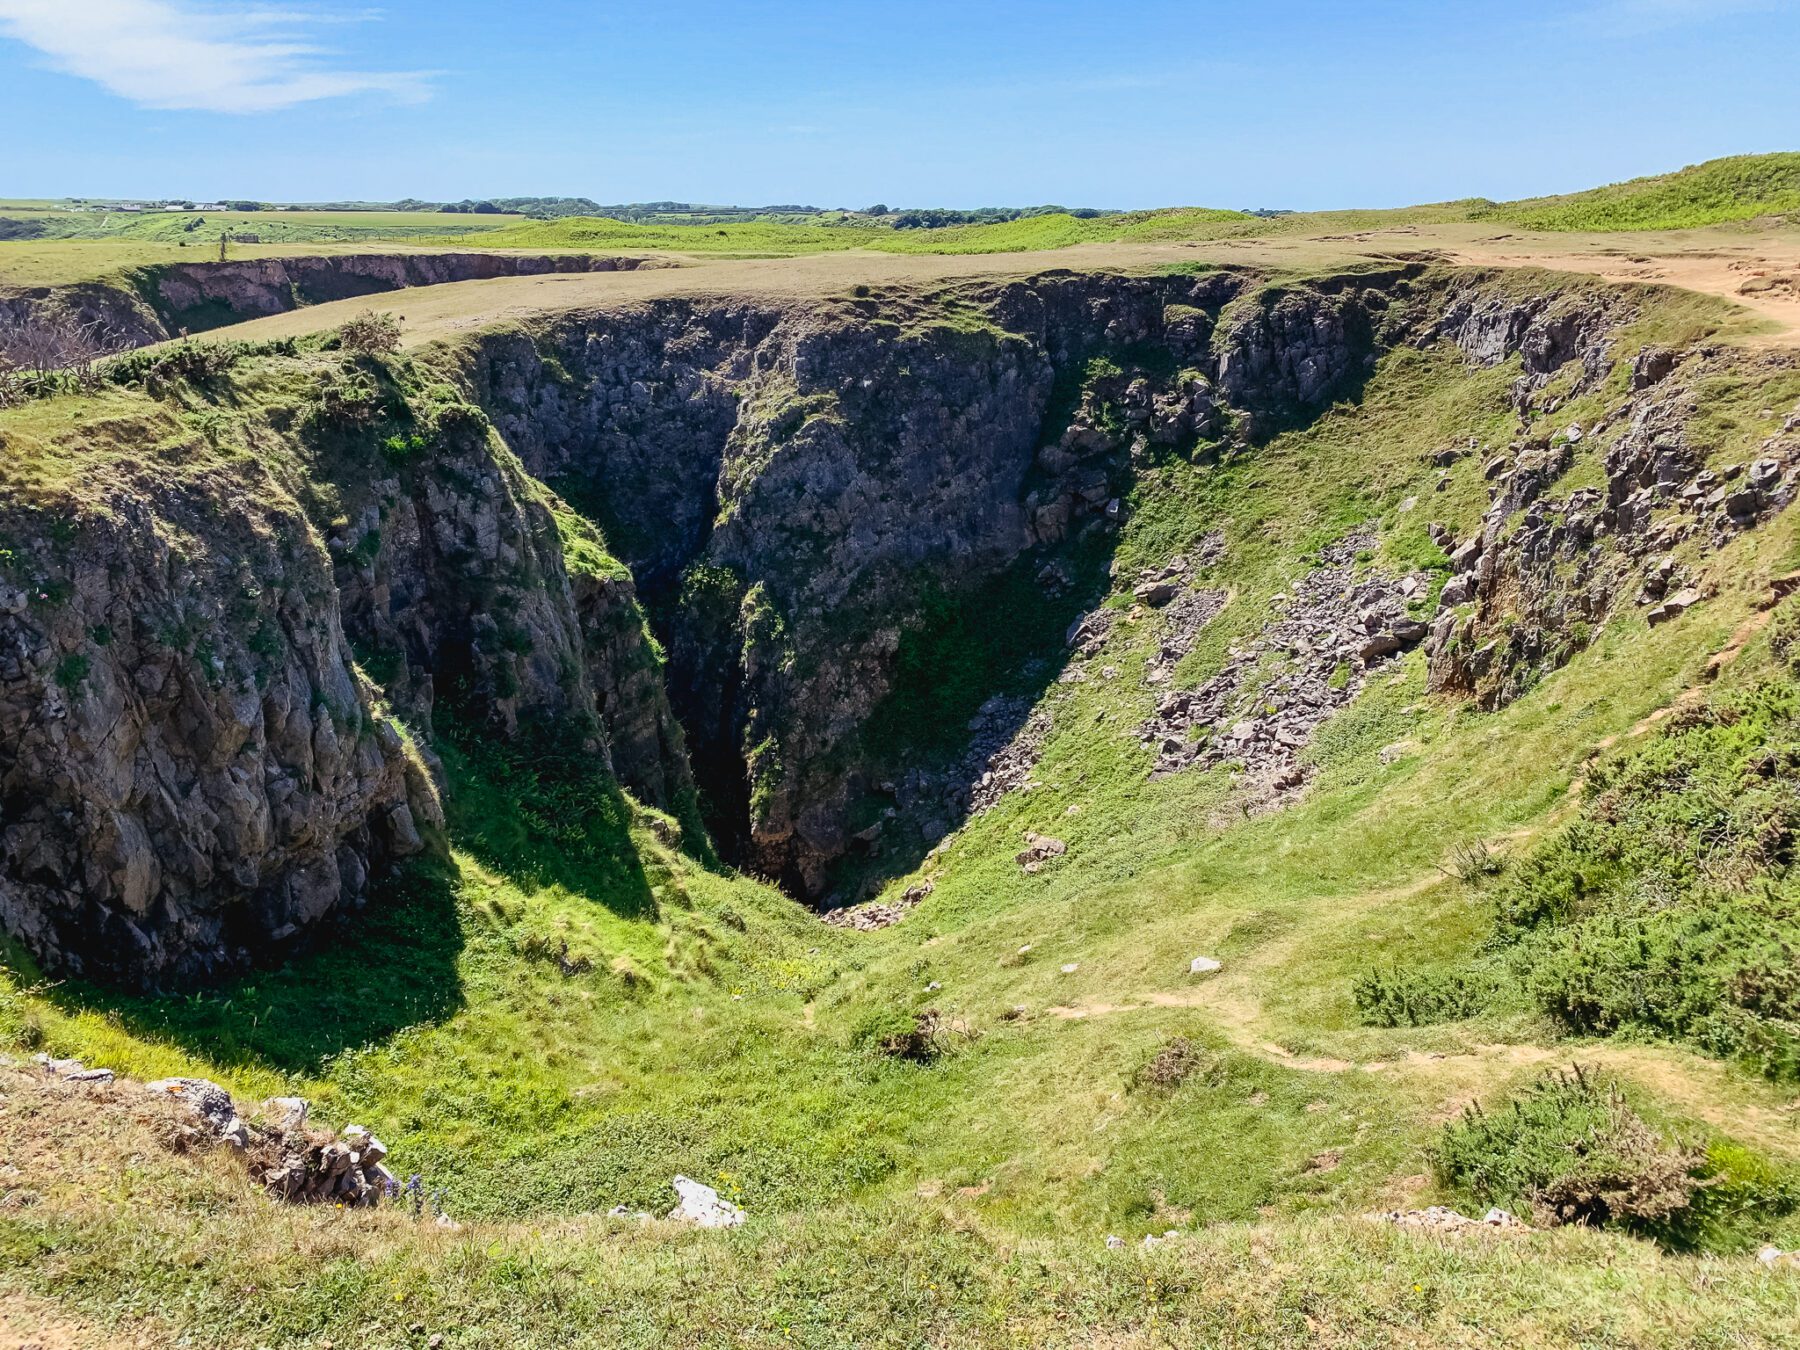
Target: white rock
1113 1242
1071 968
703 1206
1204 965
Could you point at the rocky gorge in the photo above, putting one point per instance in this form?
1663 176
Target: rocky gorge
698 541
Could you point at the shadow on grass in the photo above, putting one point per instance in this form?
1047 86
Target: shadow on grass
369 976
532 810
543 812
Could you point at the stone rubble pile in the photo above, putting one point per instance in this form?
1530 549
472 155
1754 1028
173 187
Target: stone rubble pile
291 1161
1443 1219
1310 659
1006 736
1182 622
1008 768
873 914
1039 849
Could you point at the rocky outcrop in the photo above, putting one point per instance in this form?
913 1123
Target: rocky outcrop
220 687
1547 570
200 673
192 771
785 484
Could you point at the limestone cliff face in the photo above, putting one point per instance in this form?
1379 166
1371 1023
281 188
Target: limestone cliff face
457 584
192 771
197 672
220 682
1548 567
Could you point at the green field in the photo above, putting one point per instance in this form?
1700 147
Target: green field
197 229
41 245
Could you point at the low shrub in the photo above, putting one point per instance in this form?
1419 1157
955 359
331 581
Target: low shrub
1172 1065
921 1037
1397 997
1571 1150
370 333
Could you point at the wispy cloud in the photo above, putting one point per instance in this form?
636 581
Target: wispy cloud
163 54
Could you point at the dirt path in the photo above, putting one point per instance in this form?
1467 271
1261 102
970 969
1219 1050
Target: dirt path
1764 279
26 1322
1698 1085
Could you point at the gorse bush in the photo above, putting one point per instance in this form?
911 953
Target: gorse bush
370 333
1570 1149
1396 997
1666 907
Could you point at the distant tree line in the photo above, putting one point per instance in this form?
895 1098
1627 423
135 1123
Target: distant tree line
937 219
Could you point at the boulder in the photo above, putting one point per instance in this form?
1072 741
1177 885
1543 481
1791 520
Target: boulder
1038 850
72 1070
704 1207
1678 603
203 1100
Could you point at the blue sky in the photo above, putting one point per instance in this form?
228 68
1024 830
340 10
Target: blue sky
1297 103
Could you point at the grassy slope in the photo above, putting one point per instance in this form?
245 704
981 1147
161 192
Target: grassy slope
1741 187
715 1030
83 246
